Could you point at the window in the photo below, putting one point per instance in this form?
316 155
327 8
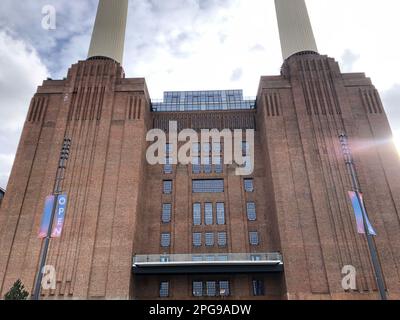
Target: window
206 147
196 239
248 185
210 258
196 167
208 186
251 211
258 287
168 148
168 166
224 288
197 288
208 213
217 147
207 165
245 148
211 288
167 187
197 214
164 289
253 237
165 240
222 239
196 149
218 167
166 213
220 213
209 239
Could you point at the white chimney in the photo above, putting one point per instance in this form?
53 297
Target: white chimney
294 27
108 36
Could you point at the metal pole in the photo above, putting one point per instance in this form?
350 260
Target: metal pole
371 244
57 191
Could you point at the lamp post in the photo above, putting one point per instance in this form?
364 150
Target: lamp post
356 188
64 155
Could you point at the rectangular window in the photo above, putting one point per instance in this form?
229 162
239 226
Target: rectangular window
251 211
217 147
208 186
224 288
211 289
168 148
210 258
208 213
168 166
196 149
165 240
258 287
207 165
197 239
253 237
209 239
196 167
197 214
222 258
218 167
197 288
166 213
206 148
248 185
167 186
245 148
220 213
164 289
222 239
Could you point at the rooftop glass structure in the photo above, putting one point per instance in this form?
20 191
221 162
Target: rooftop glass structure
203 101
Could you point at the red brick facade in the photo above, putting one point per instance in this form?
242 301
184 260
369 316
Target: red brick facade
115 197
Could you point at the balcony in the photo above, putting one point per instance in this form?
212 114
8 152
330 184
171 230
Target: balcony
207 263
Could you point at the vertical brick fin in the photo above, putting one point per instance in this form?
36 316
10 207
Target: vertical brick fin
36 109
371 101
378 101
72 106
277 102
139 108
45 105
32 109
93 104
100 107
129 108
134 106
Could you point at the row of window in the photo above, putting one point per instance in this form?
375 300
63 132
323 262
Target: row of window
212 288
206 148
208 186
208 213
209 239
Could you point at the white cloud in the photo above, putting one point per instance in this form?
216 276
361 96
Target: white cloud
21 73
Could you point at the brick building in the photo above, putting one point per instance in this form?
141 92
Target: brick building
140 231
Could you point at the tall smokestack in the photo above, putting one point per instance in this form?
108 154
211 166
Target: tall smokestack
294 27
108 36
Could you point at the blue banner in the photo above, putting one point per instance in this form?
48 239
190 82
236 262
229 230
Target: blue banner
59 218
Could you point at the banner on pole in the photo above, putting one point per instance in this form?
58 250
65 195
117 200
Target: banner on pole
47 211
59 216
359 208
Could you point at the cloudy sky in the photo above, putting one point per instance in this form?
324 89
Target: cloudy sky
189 45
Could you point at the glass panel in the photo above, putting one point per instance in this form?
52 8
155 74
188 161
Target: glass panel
197 239
209 239
166 212
251 211
224 288
208 213
211 288
248 185
220 213
165 240
222 239
197 214
167 187
254 238
197 288
164 289
208 186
